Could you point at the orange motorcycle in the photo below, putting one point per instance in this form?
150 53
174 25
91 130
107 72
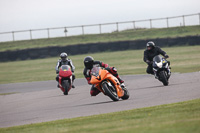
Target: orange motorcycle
108 84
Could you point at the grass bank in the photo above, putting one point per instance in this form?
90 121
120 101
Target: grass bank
183 59
183 117
115 36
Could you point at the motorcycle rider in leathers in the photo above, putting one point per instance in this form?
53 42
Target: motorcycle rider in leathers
150 52
89 62
65 61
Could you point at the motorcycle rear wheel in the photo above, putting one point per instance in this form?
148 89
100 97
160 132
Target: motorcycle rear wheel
126 94
110 91
163 78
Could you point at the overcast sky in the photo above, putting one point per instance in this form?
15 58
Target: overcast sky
34 14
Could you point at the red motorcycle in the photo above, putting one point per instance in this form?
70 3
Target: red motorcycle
65 79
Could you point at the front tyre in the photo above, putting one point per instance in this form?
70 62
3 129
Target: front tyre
110 91
163 78
65 85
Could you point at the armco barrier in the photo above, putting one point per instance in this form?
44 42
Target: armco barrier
183 20
36 53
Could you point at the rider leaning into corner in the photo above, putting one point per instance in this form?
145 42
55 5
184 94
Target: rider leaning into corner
65 61
150 52
89 62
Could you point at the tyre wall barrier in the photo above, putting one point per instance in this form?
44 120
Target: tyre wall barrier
36 53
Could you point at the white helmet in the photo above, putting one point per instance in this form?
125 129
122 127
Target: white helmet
63 56
151 45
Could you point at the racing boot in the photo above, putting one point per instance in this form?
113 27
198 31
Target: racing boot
73 86
57 78
155 73
156 77
169 72
122 85
73 78
121 82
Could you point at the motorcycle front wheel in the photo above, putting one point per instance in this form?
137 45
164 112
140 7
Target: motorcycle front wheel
163 78
65 85
110 91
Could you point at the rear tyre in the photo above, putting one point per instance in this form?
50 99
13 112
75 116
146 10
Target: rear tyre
110 91
126 94
163 78
65 85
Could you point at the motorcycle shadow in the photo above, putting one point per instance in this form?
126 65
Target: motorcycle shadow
90 104
150 87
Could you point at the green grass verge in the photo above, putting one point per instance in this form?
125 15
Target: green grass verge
183 117
183 59
115 36
8 93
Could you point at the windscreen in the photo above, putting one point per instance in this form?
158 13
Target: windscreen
95 71
157 58
65 67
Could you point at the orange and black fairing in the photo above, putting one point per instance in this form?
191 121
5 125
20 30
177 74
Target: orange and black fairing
98 75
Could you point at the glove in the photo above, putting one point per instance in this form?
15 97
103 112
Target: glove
57 71
166 56
149 62
107 68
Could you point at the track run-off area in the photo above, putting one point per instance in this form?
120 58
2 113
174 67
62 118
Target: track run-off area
36 102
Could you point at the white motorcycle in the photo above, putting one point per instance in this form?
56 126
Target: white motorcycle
161 69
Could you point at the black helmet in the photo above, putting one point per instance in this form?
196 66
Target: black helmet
150 45
88 62
63 56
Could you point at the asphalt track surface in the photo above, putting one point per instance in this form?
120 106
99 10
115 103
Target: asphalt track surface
41 101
